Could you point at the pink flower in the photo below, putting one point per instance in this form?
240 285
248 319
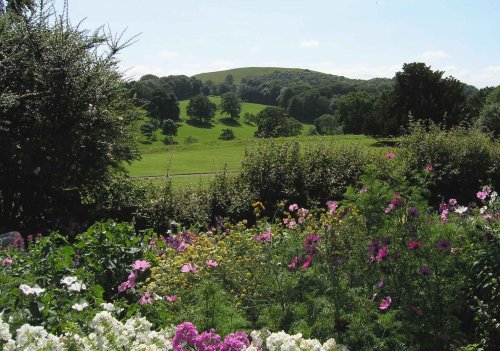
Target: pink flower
482 195
429 167
381 283
382 253
293 207
211 263
123 286
413 245
6 261
140 265
390 155
332 206
385 303
171 298
146 298
290 223
307 263
452 202
131 280
444 216
190 267
266 237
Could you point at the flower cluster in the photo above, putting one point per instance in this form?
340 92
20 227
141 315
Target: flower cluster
310 244
282 341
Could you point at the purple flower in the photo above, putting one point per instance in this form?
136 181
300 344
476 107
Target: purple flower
185 337
425 270
295 262
452 202
211 263
7 261
413 212
266 237
443 244
307 263
208 341
413 245
385 303
235 342
381 283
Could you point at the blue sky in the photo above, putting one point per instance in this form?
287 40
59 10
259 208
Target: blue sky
354 38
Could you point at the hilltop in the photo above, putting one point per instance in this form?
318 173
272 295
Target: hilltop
243 72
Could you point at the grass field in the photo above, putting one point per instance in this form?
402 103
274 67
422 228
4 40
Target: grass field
239 73
193 163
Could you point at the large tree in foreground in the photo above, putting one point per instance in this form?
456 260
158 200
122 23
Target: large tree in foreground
65 119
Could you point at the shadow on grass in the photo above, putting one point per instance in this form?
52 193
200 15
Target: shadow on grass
198 124
230 122
385 143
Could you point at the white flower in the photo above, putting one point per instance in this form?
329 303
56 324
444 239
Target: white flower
68 280
77 286
5 334
27 290
483 209
461 209
79 306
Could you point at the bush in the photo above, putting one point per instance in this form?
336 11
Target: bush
169 140
169 127
66 121
489 119
190 140
462 159
273 122
227 134
328 125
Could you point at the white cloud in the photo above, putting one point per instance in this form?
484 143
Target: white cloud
309 43
433 54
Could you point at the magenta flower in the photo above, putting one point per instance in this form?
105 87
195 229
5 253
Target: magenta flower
444 216
332 206
211 263
140 265
132 280
235 342
295 262
307 263
146 298
385 303
190 267
390 155
482 195
429 167
293 207
171 298
208 341
452 202
185 336
123 286
413 245
382 253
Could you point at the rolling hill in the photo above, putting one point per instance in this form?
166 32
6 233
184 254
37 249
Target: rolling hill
240 73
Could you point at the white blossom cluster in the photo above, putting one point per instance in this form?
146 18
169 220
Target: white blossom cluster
107 334
282 341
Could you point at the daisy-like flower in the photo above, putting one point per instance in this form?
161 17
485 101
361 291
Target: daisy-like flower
461 209
140 265
452 202
211 263
332 206
146 298
293 207
482 195
390 155
190 267
171 298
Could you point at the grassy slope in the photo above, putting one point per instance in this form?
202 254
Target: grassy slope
239 73
210 154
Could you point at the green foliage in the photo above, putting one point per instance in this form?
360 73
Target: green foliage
328 125
148 129
200 108
57 80
462 159
169 127
273 122
163 106
227 134
230 104
356 112
190 140
489 119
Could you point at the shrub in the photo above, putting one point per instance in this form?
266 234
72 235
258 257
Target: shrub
169 127
328 125
489 119
461 159
273 122
227 134
190 140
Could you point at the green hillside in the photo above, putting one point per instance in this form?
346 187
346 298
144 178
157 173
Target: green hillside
239 73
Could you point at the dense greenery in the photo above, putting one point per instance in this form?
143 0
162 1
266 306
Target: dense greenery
201 109
273 122
66 124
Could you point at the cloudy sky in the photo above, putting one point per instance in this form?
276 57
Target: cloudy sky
353 38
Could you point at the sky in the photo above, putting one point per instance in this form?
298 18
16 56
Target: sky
353 38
